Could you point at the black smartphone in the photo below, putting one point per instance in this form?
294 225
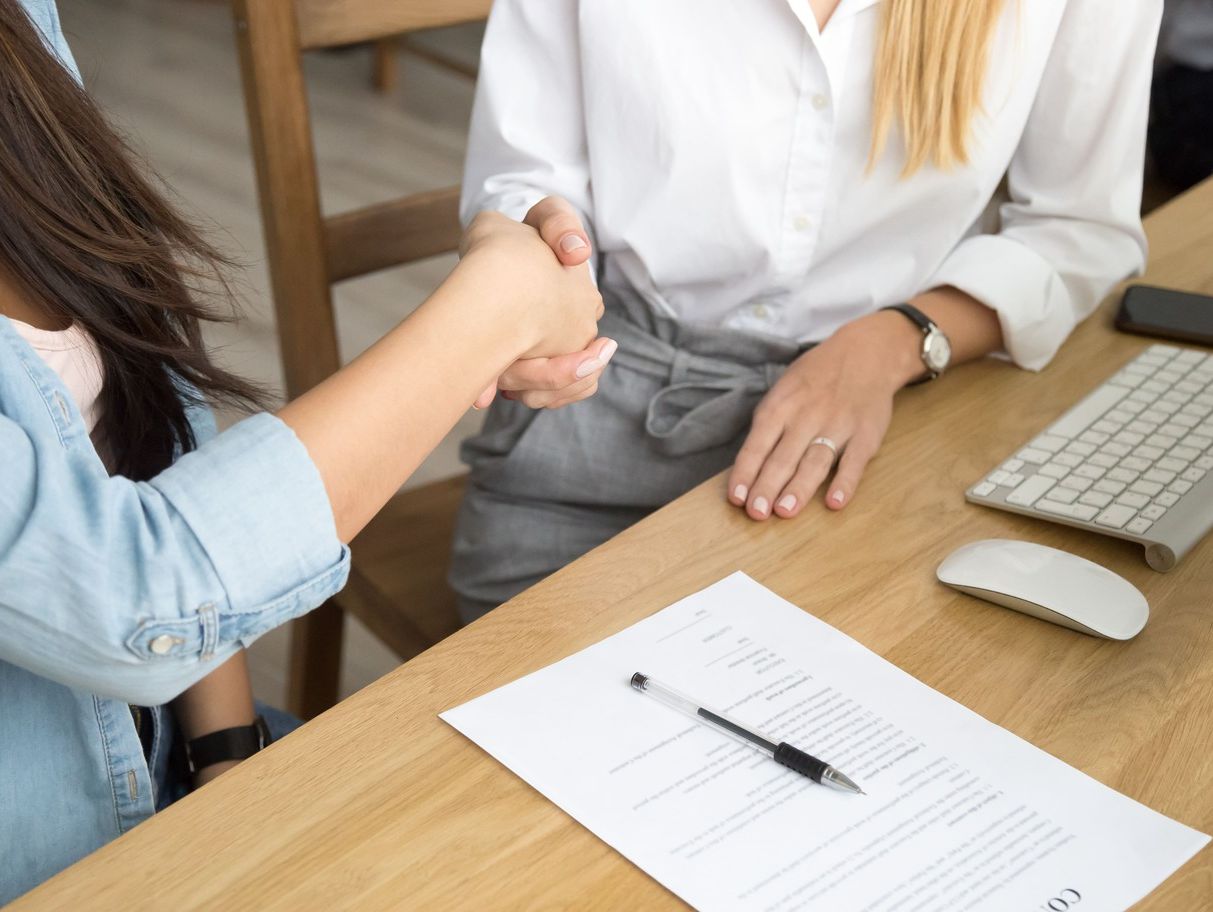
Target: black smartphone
1182 316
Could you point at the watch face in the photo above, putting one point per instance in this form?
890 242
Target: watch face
937 352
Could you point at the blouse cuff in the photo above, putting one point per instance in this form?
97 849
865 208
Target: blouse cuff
1020 286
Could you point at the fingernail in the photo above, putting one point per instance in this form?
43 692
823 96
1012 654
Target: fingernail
571 242
608 351
585 368
761 506
788 503
837 498
740 493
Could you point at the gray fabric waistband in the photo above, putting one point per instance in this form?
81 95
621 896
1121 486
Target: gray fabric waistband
713 377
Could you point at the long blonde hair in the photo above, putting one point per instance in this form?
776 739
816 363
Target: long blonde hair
928 76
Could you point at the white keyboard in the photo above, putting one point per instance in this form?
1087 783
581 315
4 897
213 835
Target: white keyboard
1134 459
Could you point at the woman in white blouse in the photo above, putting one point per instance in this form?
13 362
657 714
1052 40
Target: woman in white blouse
760 180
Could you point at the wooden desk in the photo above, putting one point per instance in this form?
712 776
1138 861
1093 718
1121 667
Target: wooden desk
377 804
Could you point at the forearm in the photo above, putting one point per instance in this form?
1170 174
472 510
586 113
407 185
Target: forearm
223 699
368 427
972 329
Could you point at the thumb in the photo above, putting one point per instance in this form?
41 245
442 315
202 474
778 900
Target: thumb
485 399
560 226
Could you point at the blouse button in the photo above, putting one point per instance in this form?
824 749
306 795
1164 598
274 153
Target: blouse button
820 101
161 645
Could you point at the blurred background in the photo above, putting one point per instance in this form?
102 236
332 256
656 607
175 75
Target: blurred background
391 120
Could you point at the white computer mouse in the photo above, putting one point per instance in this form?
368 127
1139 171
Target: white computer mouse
1048 584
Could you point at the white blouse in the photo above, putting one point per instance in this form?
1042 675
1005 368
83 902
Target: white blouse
718 151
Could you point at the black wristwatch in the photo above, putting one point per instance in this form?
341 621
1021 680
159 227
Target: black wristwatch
238 743
936 349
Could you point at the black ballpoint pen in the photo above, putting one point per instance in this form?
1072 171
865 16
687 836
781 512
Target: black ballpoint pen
793 758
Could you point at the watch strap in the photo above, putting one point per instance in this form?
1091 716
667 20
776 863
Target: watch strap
914 315
237 743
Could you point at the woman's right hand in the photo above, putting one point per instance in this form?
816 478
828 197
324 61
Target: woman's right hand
557 306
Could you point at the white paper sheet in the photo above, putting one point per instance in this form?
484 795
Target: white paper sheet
960 814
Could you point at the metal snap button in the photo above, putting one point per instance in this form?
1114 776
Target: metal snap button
161 645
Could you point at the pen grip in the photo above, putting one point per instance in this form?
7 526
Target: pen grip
798 760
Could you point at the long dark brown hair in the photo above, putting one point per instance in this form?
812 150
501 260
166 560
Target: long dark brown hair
89 238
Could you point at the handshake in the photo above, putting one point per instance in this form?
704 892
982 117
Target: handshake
540 267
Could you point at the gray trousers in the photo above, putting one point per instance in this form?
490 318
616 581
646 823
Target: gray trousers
545 487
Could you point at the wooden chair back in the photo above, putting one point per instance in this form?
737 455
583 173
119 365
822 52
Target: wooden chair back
308 252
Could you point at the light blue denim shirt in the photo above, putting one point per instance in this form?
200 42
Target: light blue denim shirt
114 592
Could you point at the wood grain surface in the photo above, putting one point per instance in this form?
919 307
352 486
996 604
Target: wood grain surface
377 804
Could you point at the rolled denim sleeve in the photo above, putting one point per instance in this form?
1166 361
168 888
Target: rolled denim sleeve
136 590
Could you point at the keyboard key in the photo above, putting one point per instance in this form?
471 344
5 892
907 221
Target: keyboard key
1069 459
1193 474
1171 464
1029 492
1132 406
1050 443
1107 427
1149 488
1205 462
1053 470
1094 437
1155 416
1185 453
1136 501
1197 442
1189 356
1197 410
1187 386
1158 475
1158 350
1167 499
998 477
1135 463
1014 480
1142 396
1146 451
984 489
1109 487
1171 429
1155 386
1176 396
1162 441
1180 486
1169 377
1093 472
1164 408
1012 465
1138 526
1153 512
1104 460
1143 427
1188 421
1119 449
1076 482
1063 495
1115 516
1090 409
1119 416
1091 498
1073 511
1036 457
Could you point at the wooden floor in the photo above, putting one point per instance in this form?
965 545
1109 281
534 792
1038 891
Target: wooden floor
166 71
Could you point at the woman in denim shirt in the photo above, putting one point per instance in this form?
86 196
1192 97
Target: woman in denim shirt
138 560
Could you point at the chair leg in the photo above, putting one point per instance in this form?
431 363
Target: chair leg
315 661
385 65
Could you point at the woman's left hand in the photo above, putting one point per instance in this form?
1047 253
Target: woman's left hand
842 389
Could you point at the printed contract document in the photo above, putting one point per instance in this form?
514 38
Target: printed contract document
959 813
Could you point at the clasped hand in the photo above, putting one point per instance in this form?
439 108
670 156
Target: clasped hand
552 382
